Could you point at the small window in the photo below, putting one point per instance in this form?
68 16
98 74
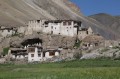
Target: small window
8 30
51 54
31 50
39 55
64 23
32 55
52 27
87 32
69 23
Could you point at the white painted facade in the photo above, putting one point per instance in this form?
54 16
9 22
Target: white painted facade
47 54
35 55
58 27
7 32
84 32
38 55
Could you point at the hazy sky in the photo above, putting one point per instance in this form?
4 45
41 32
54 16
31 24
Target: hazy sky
89 7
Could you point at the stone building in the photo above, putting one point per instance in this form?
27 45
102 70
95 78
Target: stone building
84 32
93 41
18 53
7 31
34 53
58 27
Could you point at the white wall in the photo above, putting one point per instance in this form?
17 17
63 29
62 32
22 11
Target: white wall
48 56
6 33
56 28
35 58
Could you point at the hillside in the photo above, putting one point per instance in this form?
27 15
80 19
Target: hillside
19 12
110 22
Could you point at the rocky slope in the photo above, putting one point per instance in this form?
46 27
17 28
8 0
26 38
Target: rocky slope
111 22
19 12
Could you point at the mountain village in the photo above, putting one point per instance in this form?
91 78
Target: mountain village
32 50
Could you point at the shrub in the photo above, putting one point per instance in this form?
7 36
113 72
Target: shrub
5 51
77 43
104 50
78 55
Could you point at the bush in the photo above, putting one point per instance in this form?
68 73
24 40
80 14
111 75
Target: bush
5 51
77 55
77 43
104 50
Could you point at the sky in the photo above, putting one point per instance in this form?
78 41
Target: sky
90 7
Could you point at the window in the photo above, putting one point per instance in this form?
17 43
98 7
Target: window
51 32
39 55
87 32
8 30
31 50
32 55
51 54
46 26
69 23
64 23
52 27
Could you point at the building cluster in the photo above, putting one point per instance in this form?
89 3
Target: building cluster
70 28
35 51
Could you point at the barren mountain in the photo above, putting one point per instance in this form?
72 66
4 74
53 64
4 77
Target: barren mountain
19 12
110 22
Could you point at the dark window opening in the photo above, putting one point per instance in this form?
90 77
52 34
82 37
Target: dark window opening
87 32
51 54
46 26
32 55
51 32
39 55
44 54
64 23
52 27
31 49
8 30
69 23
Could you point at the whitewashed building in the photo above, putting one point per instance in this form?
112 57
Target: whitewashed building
58 27
34 54
5 31
84 32
50 53
18 53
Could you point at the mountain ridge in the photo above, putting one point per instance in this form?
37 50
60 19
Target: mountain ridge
19 12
